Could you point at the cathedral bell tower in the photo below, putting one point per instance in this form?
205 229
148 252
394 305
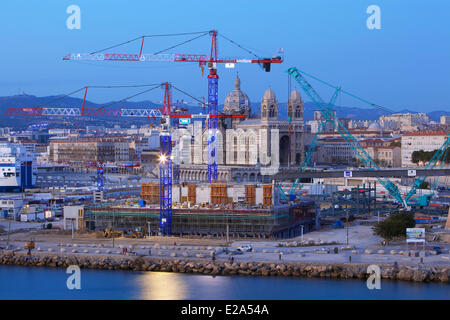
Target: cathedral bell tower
269 107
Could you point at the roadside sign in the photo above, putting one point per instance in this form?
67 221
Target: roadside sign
347 174
415 235
184 121
411 173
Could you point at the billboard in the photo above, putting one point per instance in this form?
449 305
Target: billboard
184 121
415 235
412 173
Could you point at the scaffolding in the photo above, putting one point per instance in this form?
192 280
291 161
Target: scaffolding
267 194
192 194
356 201
250 194
260 223
219 194
150 192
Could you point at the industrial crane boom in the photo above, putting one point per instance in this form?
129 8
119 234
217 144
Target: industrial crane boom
202 60
307 159
167 57
346 135
440 154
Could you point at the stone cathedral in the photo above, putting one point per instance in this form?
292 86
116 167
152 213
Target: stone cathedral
248 149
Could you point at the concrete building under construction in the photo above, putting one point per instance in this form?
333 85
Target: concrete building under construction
214 210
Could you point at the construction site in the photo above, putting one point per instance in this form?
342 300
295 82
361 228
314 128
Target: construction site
215 210
237 203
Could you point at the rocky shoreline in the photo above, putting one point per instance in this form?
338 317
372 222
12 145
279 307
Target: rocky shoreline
202 266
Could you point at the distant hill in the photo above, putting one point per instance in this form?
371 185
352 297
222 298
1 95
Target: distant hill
353 113
24 100
436 115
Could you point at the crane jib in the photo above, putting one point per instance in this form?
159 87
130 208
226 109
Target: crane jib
346 135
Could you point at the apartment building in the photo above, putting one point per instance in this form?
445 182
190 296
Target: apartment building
422 140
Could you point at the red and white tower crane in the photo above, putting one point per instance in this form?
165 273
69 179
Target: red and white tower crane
165 114
202 60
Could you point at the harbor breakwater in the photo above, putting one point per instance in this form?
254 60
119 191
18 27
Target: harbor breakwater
203 266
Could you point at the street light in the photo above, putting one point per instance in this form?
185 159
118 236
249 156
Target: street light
162 158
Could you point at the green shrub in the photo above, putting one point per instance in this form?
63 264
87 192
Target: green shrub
395 225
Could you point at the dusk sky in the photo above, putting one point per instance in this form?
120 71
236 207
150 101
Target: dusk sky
405 64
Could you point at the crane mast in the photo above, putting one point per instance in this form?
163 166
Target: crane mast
202 60
165 166
213 93
307 159
441 155
345 134
165 158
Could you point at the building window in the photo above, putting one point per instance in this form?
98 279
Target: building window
247 147
235 149
298 112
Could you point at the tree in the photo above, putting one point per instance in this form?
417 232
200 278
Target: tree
425 156
395 225
424 185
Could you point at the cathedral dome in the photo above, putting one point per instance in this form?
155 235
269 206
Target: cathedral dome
269 95
295 96
374 127
237 101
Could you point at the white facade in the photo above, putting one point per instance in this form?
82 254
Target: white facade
73 213
333 151
403 120
121 151
445 120
246 141
153 140
17 166
59 132
416 141
10 206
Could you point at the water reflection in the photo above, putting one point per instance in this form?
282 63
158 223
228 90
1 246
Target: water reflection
161 286
18 282
169 286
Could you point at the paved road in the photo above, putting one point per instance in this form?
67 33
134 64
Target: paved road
364 173
265 254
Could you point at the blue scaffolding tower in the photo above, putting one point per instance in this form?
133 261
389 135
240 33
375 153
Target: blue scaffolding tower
213 84
165 184
100 177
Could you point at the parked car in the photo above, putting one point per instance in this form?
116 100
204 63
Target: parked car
245 248
437 249
235 252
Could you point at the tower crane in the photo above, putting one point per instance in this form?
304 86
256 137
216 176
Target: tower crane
100 170
345 134
202 60
439 155
165 114
307 159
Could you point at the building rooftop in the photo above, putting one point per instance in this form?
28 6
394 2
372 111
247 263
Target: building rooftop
250 122
426 133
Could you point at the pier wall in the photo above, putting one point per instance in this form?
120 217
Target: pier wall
206 266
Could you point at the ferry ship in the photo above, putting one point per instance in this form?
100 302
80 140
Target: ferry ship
17 168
